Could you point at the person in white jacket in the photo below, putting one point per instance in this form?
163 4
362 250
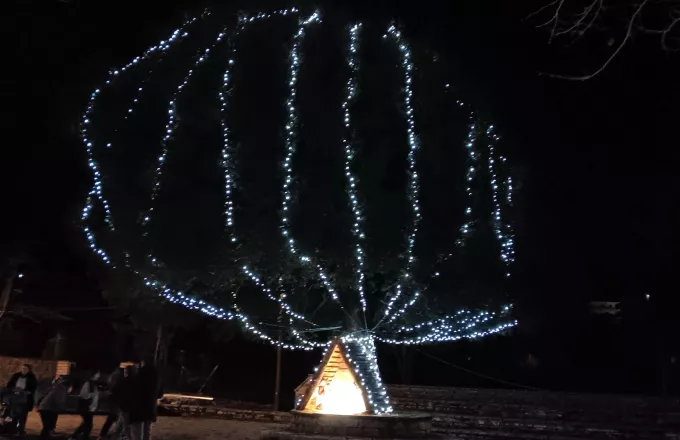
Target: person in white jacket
88 400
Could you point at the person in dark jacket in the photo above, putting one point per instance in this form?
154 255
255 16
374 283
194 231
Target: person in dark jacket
146 391
120 398
24 380
51 404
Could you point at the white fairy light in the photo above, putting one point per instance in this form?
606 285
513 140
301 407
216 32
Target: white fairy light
506 240
350 93
96 191
171 126
226 163
413 189
290 142
471 172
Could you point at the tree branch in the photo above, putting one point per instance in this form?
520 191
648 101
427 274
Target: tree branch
629 31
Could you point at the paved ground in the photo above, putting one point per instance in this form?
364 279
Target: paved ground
167 428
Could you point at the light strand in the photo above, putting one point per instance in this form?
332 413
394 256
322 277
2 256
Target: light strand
413 189
97 192
471 172
290 143
180 298
171 126
506 241
350 93
226 160
453 328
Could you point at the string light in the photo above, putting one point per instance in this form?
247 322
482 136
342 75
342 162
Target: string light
506 241
469 179
290 142
350 93
226 159
96 192
447 334
171 125
413 186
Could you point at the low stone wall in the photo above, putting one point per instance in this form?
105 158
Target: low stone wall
43 369
216 412
489 413
469 413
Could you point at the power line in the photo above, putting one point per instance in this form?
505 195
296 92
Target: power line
479 374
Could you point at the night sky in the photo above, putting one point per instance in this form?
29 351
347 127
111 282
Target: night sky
597 159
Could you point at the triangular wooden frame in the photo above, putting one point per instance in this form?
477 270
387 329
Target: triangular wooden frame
318 376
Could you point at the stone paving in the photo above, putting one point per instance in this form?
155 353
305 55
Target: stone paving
167 428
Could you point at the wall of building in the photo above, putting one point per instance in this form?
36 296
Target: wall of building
43 369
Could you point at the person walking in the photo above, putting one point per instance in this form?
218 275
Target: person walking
24 380
120 398
88 400
146 392
51 404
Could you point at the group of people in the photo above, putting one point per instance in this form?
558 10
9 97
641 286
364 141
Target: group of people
132 393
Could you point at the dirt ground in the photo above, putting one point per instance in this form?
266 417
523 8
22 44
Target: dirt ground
167 428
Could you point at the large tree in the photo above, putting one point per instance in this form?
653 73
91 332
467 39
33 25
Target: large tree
320 183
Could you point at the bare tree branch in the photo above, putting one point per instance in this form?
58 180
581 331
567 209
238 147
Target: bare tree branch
592 10
564 22
588 11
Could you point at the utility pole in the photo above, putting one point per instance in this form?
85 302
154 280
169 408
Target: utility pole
7 287
279 353
277 386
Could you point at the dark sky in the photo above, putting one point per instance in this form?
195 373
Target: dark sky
597 158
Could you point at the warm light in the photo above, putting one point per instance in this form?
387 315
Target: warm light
341 396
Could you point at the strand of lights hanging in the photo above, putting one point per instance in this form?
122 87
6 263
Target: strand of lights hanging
413 186
226 160
462 318
507 250
180 298
463 325
163 49
471 172
290 143
448 334
226 163
171 125
350 94
291 125
227 166
97 192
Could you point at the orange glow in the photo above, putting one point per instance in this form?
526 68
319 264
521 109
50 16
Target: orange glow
336 391
341 396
